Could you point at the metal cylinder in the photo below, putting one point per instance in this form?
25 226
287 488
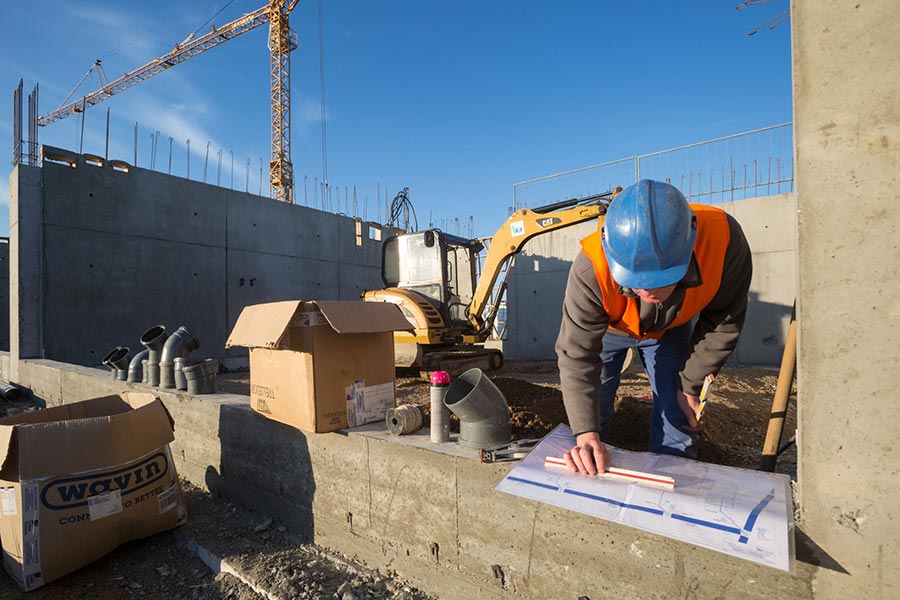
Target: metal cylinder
404 419
440 414
145 374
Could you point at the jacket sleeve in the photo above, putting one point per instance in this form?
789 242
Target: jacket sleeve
579 344
719 324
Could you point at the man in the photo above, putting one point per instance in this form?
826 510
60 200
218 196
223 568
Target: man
655 265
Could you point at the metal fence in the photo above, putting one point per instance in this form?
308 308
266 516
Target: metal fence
745 165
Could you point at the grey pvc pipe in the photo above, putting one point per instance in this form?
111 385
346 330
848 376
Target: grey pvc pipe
154 339
482 410
117 362
179 345
135 369
118 359
9 392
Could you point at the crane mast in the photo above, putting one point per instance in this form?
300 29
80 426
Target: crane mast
281 42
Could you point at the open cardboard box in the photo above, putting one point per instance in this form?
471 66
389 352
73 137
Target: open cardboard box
80 479
320 366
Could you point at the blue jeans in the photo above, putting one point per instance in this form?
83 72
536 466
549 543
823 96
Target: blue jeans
663 359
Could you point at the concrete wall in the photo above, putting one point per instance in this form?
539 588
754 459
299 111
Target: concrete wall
104 254
847 130
430 514
538 281
4 294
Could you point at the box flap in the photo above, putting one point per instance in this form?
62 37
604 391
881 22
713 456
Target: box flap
262 325
73 446
363 317
6 437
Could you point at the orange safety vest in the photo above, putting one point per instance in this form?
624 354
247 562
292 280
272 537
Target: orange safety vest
713 235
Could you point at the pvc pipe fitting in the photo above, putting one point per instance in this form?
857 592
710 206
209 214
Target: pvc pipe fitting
135 367
153 339
180 344
482 410
180 379
201 377
117 361
10 392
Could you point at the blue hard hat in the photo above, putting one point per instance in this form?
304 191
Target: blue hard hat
648 236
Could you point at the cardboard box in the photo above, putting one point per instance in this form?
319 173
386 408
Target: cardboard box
80 479
320 366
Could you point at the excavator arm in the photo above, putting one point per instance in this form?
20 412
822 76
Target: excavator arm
519 228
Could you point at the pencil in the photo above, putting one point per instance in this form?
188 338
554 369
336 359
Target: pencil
704 392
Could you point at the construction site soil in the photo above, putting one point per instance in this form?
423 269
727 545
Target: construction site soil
739 409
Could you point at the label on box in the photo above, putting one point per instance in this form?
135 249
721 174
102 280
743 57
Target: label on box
368 404
105 504
167 499
8 499
311 319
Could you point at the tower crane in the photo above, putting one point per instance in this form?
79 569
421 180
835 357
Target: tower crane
281 42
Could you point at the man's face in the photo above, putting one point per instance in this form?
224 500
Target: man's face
655 295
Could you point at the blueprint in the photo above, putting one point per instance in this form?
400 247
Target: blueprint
743 513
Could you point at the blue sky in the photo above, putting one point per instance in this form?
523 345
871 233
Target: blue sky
456 100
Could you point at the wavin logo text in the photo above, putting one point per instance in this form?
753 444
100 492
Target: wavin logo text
73 492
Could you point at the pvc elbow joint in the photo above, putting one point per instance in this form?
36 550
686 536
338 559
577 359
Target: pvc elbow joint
482 410
180 344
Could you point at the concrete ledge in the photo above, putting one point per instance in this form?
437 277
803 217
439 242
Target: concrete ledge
433 517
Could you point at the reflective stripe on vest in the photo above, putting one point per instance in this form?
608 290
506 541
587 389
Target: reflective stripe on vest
713 235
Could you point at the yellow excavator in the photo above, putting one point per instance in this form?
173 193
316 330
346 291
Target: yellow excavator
434 278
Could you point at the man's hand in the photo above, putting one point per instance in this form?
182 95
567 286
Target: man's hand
589 456
688 405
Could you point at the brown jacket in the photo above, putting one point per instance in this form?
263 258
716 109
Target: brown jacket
584 323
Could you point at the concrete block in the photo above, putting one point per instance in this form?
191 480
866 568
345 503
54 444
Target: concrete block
772 294
274 228
769 222
26 231
137 204
105 289
356 279
342 481
255 277
494 528
413 499
45 382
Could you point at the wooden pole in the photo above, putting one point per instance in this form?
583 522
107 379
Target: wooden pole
780 401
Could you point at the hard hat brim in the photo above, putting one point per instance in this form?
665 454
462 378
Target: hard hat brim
649 279
646 280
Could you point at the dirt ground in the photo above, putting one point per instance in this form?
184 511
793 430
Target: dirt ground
262 550
739 408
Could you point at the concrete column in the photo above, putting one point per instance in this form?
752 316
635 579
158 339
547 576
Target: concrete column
847 126
26 243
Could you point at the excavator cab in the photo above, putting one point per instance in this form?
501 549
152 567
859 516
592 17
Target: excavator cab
439 266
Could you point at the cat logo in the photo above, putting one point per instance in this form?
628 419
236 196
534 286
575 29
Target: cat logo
262 406
548 221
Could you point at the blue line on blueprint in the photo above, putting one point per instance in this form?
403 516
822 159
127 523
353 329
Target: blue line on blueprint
754 514
654 511
529 482
709 524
